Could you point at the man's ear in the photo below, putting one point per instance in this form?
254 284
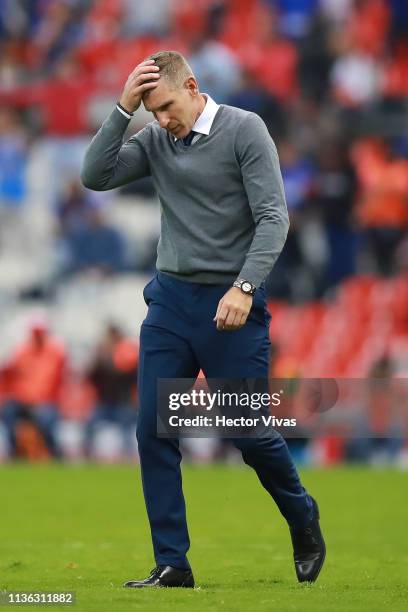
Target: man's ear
192 86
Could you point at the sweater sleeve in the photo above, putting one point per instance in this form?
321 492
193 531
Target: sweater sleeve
109 162
263 184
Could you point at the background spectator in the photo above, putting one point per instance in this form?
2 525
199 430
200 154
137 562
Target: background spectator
94 246
34 376
113 374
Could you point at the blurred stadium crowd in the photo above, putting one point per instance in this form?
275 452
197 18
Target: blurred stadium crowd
330 79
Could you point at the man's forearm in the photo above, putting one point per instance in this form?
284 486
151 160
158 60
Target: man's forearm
267 244
109 163
266 196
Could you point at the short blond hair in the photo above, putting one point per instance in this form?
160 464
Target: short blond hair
174 66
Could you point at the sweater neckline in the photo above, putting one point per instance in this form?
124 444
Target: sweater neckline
183 149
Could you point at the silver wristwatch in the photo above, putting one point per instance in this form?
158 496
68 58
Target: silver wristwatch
245 286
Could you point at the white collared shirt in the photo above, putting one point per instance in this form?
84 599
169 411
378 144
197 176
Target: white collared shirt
204 122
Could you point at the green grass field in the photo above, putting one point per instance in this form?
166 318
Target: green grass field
84 529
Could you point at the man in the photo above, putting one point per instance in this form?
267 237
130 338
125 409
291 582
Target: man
224 222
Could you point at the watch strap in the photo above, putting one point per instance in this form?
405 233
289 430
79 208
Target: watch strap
246 286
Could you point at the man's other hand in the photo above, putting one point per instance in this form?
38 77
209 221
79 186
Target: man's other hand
144 77
233 310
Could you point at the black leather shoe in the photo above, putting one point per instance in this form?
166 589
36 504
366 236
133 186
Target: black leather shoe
164 576
309 549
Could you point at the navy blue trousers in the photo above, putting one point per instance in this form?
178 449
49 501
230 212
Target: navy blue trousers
178 337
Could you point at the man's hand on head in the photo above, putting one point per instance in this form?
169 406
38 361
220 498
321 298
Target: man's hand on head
233 310
144 77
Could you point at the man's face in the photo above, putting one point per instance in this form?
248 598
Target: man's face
175 109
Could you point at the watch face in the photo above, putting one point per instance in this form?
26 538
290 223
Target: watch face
246 287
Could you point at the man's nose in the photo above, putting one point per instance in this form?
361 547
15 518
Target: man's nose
163 120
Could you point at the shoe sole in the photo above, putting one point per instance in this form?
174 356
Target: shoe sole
160 586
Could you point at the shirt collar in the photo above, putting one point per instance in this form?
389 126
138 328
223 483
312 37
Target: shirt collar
205 120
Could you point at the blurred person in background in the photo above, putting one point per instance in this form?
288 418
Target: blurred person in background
113 374
34 376
65 125
378 435
13 56
335 188
310 124
145 17
295 16
216 67
72 207
298 172
13 159
270 55
13 172
355 78
395 77
315 58
250 95
92 244
357 70
381 207
59 29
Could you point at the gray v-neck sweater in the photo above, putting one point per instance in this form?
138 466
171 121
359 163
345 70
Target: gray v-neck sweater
223 209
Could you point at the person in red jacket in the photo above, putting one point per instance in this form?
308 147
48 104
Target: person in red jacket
35 374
